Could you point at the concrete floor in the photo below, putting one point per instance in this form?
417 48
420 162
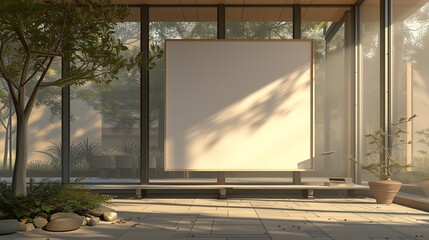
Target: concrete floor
233 219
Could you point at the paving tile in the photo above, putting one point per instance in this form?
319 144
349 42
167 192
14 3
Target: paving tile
237 229
348 237
283 218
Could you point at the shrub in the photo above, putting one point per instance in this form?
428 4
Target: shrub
46 198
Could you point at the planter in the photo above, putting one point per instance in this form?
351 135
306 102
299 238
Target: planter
384 191
425 187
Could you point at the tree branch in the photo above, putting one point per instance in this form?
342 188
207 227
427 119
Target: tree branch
46 53
41 64
24 72
14 97
32 98
21 37
3 71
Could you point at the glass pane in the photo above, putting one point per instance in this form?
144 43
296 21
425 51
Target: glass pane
172 23
259 23
44 130
7 136
105 121
332 83
369 80
410 91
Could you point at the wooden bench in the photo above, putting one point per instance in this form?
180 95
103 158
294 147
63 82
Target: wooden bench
308 190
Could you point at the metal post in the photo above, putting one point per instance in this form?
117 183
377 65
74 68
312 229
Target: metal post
65 126
221 32
384 75
296 178
296 21
356 173
144 96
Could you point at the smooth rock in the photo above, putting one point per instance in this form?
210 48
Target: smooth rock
99 211
84 221
22 227
29 227
110 216
40 222
63 215
8 226
92 222
64 224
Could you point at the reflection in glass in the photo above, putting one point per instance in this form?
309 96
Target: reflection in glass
44 129
259 23
369 99
105 122
172 23
332 84
410 90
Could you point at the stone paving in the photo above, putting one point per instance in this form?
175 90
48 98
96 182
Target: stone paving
254 219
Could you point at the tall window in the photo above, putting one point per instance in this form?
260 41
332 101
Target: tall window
172 23
369 79
258 23
328 27
44 131
105 120
410 88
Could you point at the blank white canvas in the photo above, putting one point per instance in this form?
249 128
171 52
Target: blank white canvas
238 105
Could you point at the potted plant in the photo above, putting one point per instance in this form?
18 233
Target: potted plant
386 189
424 134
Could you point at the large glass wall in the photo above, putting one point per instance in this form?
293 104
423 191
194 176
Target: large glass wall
369 79
172 23
332 83
7 136
410 89
44 130
105 120
258 23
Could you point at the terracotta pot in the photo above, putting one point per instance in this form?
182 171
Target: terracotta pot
384 191
425 187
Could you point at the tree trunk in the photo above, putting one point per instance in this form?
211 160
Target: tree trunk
20 170
6 143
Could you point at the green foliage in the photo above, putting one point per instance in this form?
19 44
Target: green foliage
386 169
80 153
129 147
155 53
46 198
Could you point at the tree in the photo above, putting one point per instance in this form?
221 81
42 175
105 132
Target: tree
34 33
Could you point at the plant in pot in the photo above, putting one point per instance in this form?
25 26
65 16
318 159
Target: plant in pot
424 139
385 189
